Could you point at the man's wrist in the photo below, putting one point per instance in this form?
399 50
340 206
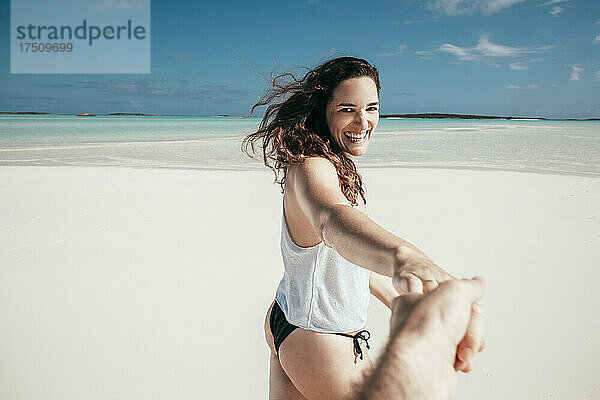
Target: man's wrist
390 379
419 358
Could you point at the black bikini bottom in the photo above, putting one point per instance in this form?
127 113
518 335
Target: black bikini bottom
281 328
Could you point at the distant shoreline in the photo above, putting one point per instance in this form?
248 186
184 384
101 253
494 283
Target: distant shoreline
384 116
83 114
469 116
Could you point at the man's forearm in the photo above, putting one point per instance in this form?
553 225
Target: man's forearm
410 368
391 378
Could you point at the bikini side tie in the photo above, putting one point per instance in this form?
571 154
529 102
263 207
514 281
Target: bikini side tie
364 335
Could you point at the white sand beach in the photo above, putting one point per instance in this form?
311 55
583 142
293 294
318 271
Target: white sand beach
123 283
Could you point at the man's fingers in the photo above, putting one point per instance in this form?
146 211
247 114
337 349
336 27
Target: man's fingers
414 284
477 287
472 342
429 285
465 353
465 291
462 366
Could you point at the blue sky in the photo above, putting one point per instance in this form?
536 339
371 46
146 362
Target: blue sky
500 57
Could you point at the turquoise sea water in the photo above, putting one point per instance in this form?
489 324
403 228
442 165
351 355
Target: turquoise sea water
558 147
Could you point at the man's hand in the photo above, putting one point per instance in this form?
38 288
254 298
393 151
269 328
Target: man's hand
428 332
449 315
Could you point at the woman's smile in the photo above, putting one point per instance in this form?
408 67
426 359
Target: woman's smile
356 137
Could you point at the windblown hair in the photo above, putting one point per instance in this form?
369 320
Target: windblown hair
294 127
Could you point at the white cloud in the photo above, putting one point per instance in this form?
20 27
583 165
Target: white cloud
459 52
576 73
596 39
415 21
552 2
457 7
399 50
597 75
555 11
518 66
486 50
423 53
521 87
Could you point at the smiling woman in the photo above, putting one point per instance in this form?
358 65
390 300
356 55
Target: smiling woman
333 254
351 124
298 128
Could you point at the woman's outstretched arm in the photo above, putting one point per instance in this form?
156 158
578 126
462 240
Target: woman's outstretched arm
381 287
354 235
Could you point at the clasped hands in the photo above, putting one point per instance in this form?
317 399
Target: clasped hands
439 305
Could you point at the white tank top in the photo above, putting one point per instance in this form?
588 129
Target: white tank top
320 290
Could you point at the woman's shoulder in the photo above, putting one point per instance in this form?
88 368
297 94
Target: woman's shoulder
315 175
314 171
314 164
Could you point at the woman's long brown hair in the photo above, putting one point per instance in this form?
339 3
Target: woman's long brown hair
294 126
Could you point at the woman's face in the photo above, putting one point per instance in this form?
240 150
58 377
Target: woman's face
353 113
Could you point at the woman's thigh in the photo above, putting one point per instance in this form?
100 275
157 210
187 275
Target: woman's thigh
280 386
323 366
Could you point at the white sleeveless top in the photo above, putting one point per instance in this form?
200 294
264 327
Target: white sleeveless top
321 290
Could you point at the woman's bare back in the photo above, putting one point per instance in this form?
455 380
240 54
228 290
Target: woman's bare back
298 224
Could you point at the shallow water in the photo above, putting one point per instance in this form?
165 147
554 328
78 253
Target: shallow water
556 147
